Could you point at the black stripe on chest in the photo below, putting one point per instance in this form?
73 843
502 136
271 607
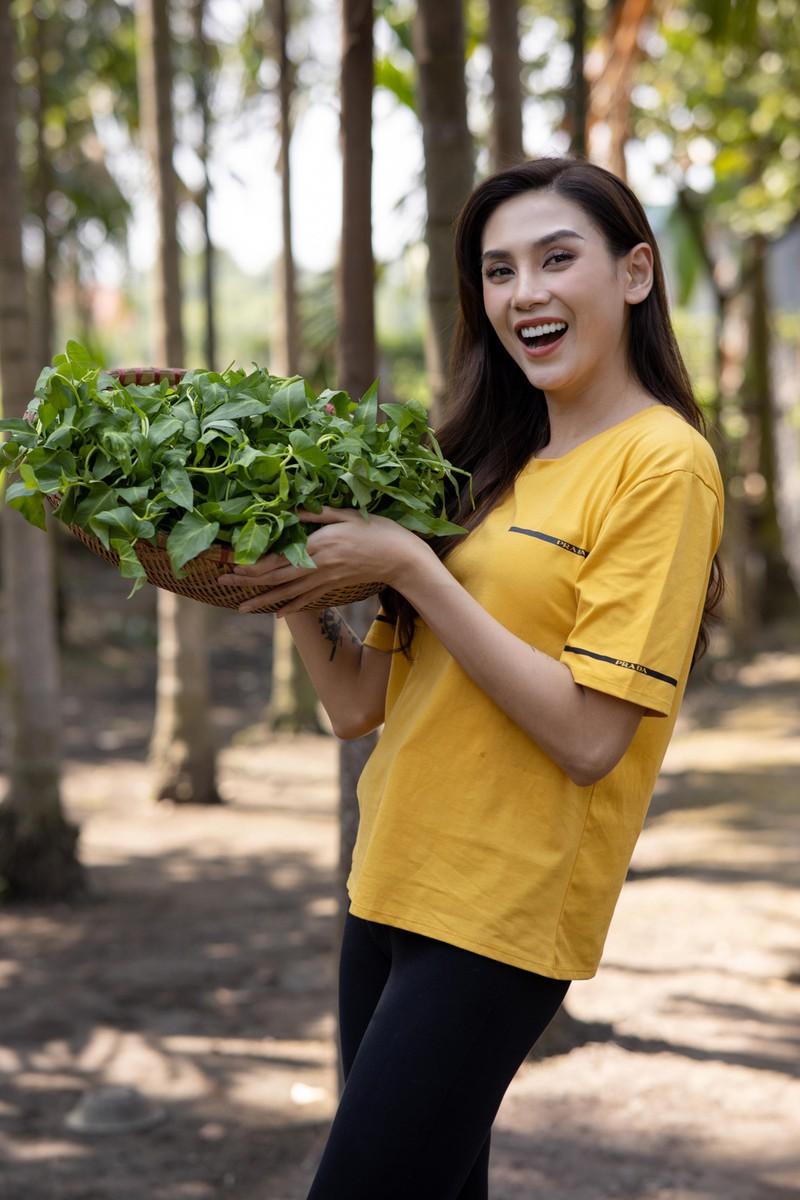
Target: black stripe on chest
548 537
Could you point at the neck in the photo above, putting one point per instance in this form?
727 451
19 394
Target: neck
577 415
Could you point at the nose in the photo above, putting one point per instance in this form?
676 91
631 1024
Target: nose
530 288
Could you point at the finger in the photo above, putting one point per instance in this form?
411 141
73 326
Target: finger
269 562
259 604
327 514
302 602
272 579
277 595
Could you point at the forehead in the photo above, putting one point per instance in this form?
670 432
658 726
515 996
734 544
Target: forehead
521 220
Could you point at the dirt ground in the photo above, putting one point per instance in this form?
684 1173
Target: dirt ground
201 967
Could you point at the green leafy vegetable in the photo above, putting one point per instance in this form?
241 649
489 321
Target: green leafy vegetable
218 457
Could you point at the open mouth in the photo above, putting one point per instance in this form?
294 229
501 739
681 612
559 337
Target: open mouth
537 337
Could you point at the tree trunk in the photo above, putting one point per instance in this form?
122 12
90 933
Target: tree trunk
201 92
449 171
505 135
578 91
776 596
182 755
355 351
37 845
45 322
610 93
293 701
44 186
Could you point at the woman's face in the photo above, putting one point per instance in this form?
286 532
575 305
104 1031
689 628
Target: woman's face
547 271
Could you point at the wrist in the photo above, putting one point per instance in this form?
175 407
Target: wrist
418 558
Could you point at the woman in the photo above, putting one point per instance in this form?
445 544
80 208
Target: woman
529 684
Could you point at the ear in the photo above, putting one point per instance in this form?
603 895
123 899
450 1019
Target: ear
638 273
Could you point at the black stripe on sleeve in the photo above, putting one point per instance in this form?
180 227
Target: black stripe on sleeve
388 620
622 662
548 537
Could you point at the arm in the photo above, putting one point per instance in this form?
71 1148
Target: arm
583 730
349 678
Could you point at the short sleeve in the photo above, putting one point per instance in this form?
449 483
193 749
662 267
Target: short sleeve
380 635
641 589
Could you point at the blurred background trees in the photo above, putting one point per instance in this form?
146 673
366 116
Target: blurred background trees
319 155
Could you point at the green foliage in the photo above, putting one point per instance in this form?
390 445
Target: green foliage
76 62
727 96
220 457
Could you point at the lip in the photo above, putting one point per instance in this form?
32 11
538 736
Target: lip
539 351
534 322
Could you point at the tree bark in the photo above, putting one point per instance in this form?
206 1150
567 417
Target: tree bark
578 90
505 134
355 352
776 595
438 36
293 702
610 92
201 90
38 857
182 755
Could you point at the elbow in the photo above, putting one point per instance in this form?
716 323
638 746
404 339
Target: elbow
580 776
587 769
351 731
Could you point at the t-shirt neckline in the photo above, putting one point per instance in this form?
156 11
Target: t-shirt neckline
533 461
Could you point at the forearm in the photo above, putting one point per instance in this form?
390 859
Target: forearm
331 653
536 691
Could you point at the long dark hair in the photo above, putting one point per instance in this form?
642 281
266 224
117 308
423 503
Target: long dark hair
496 419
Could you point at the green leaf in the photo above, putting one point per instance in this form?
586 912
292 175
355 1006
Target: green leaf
306 450
399 414
297 555
17 425
98 500
235 410
49 471
361 492
28 502
177 486
367 411
425 523
290 403
250 541
218 429
163 428
192 534
129 565
134 495
125 520
117 449
227 512
80 359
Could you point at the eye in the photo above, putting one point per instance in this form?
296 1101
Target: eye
495 271
560 256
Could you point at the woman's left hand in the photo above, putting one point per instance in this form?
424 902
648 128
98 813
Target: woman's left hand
347 549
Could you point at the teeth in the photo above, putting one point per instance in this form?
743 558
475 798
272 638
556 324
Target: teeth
533 332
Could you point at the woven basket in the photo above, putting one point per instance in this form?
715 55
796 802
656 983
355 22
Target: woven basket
203 571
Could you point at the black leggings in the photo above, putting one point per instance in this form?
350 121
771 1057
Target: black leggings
431 1037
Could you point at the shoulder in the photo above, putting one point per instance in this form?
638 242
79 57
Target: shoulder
663 442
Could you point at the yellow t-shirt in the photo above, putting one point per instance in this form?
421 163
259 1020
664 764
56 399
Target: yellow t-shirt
469 832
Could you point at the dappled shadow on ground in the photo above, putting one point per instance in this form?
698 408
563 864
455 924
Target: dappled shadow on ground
201 966
207 982
109 659
560 1158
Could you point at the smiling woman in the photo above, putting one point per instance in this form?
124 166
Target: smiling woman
531 678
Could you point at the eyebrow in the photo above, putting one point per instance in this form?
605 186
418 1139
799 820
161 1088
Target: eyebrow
556 236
